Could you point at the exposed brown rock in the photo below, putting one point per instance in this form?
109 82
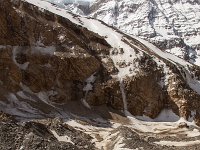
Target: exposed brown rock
43 52
48 58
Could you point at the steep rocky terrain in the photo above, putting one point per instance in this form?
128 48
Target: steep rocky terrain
99 80
172 25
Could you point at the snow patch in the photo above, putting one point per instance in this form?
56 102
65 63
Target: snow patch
62 138
123 95
17 107
166 115
21 66
88 87
182 143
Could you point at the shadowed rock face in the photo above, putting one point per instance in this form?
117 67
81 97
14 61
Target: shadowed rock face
46 60
41 52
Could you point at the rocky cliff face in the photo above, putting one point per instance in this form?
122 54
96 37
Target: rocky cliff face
53 62
49 60
43 56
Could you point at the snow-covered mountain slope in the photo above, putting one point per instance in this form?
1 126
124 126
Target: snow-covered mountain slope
172 25
81 7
